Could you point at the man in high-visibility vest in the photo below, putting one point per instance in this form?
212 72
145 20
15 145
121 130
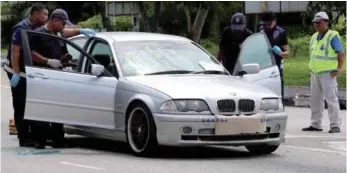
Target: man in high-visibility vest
326 63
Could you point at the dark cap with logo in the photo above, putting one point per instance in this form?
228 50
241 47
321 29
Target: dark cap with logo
267 18
238 21
61 14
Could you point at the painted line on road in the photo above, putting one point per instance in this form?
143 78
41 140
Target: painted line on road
79 165
314 136
314 149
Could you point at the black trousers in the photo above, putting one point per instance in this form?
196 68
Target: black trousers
282 83
18 102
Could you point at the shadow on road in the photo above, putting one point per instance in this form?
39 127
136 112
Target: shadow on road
165 152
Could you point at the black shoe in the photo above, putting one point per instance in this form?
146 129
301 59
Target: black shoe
335 130
311 129
39 145
26 143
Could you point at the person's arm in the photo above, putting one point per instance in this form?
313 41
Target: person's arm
337 46
285 46
220 55
70 32
15 50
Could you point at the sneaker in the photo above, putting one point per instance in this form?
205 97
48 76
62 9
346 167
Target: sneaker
335 130
311 129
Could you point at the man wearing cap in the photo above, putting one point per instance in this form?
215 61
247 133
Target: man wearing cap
326 63
231 41
278 39
47 52
15 69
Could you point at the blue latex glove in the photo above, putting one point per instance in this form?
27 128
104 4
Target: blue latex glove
277 50
87 32
15 79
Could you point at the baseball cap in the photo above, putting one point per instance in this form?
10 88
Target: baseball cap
267 18
320 16
61 14
238 21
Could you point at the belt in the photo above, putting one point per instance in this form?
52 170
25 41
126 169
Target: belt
5 65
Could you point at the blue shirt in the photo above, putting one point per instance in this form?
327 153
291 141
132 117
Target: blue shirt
335 43
16 36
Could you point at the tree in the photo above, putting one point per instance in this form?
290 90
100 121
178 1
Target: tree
328 6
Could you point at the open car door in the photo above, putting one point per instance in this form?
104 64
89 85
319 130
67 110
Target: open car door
256 50
67 96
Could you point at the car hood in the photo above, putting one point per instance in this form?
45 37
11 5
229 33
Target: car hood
202 86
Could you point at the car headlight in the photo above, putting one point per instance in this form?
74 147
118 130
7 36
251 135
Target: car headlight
271 104
185 106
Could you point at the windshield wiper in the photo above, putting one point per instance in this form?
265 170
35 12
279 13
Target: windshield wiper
210 72
170 72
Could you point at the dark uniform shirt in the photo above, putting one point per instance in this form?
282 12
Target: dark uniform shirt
47 46
17 40
230 45
277 37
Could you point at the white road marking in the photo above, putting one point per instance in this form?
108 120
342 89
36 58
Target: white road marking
337 145
314 149
314 136
82 166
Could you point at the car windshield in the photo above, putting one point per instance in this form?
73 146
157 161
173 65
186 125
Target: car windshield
164 57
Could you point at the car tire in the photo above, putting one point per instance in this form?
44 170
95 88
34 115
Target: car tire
262 149
142 140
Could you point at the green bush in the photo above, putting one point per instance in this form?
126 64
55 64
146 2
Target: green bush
121 23
94 22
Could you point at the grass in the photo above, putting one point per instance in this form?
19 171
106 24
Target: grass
3 51
296 71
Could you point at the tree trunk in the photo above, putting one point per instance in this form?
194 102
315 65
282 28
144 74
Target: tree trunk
189 18
156 16
198 24
144 17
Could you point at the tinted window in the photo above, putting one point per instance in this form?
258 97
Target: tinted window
255 49
72 51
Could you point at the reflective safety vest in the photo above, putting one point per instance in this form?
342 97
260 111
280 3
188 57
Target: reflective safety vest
323 58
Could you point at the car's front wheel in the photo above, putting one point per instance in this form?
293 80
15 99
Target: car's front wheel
141 131
262 149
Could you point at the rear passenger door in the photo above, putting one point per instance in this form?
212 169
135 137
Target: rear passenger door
256 49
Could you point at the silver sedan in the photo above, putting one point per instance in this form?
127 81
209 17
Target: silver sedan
151 89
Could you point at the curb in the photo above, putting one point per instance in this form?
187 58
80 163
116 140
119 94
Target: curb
304 101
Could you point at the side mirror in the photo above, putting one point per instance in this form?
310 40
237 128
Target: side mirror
250 69
97 70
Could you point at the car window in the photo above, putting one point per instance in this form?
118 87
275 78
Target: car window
101 48
145 57
52 47
80 42
255 49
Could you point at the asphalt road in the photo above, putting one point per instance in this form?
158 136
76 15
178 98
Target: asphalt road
316 152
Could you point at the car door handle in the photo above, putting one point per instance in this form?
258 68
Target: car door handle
37 75
274 75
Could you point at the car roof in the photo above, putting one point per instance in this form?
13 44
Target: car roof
139 36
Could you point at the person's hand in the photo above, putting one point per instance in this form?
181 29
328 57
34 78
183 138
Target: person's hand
54 63
87 32
15 79
335 73
277 50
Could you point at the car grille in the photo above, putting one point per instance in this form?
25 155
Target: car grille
246 105
226 105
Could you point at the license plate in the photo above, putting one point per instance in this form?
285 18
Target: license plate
241 124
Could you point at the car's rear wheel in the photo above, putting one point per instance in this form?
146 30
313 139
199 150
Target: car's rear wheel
262 149
141 131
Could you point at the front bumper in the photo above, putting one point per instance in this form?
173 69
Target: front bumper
195 130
